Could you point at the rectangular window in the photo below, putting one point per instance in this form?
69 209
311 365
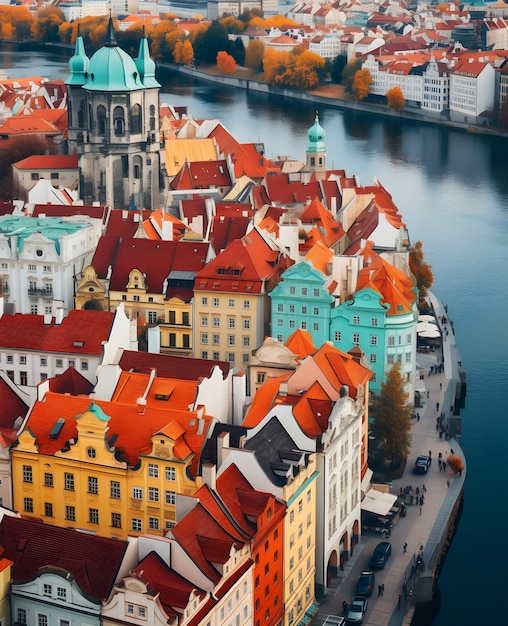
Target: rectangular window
231 303
315 310
231 357
204 301
137 493
22 359
280 308
304 325
136 525
315 326
304 291
84 365
70 513
152 317
246 304
42 620
231 322
48 509
21 616
44 361
153 494
114 489
291 308
153 470
153 523
215 302
170 497
356 319
48 480
373 340
58 362
27 474
216 339
246 341
93 485
356 338
93 516
204 338
170 473
316 292
373 321
116 520
204 321
10 358
28 505
246 324
231 340
216 356
337 335
216 322
204 354
373 358
304 310
391 340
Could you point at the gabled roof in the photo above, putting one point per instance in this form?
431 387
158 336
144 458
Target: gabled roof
93 561
300 343
81 332
169 366
48 162
13 406
124 223
133 427
396 288
202 175
27 125
205 541
182 151
174 591
71 382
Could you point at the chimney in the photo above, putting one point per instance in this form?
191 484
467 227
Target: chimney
47 319
209 474
222 443
59 315
141 405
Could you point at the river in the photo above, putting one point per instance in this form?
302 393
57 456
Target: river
452 189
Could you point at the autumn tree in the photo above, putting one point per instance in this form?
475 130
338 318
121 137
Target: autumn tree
207 43
361 84
18 21
395 99
233 25
183 52
164 39
226 63
455 463
254 55
391 413
422 273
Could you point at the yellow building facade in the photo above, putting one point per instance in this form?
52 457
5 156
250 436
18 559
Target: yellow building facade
88 484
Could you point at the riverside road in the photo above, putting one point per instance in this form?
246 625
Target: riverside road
423 526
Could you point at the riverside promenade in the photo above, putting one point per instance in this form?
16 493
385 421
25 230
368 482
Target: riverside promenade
423 527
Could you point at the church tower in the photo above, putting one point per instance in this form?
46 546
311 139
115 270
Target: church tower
113 112
316 149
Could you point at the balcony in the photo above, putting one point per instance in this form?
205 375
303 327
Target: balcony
35 291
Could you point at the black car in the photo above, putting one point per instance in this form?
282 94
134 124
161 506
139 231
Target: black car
422 464
380 555
365 584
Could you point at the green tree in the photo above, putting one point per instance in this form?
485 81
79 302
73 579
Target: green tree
422 273
208 43
391 427
338 65
348 74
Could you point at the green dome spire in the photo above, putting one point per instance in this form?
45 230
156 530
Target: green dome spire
78 63
316 137
145 64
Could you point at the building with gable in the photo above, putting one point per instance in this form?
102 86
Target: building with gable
231 303
119 465
59 576
113 111
36 347
327 394
39 258
276 456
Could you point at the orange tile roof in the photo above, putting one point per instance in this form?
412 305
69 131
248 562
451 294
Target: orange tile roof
300 343
48 162
132 385
395 287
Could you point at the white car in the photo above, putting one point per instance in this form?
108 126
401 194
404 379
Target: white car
357 610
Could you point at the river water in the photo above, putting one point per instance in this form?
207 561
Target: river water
452 189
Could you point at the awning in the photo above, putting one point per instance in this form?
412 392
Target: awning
366 480
378 502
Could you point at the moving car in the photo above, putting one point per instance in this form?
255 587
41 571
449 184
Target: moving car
380 555
365 584
422 464
357 610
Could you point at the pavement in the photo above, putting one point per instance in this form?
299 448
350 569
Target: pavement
418 528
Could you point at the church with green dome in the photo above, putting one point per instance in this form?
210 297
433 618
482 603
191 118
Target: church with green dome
113 112
316 149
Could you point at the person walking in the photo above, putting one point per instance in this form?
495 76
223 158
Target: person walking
400 598
383 589
378 590
404 547
344 607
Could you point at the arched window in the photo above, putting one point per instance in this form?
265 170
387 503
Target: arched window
136 119
101 119
119 121
152 117
136 167
81 114
90 117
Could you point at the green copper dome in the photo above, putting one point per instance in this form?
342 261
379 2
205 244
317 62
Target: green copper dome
112 69
316 137
78 64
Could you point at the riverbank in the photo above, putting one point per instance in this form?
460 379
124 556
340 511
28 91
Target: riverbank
332 96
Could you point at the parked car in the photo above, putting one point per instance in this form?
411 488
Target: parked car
365 584
357 610
422 464
380 555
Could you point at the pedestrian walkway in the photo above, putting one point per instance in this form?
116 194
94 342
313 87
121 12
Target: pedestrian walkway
439 489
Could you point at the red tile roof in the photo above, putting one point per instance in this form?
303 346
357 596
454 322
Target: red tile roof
12 405
48 162
71 382
81 332
168 366
93 561
59 210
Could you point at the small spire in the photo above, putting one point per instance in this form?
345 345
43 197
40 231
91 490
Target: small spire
110 37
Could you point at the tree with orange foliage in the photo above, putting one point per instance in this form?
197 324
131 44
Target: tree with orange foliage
395 99
361 84
18 17
226 63
422 273
164 39
183 52
455 464
254 55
